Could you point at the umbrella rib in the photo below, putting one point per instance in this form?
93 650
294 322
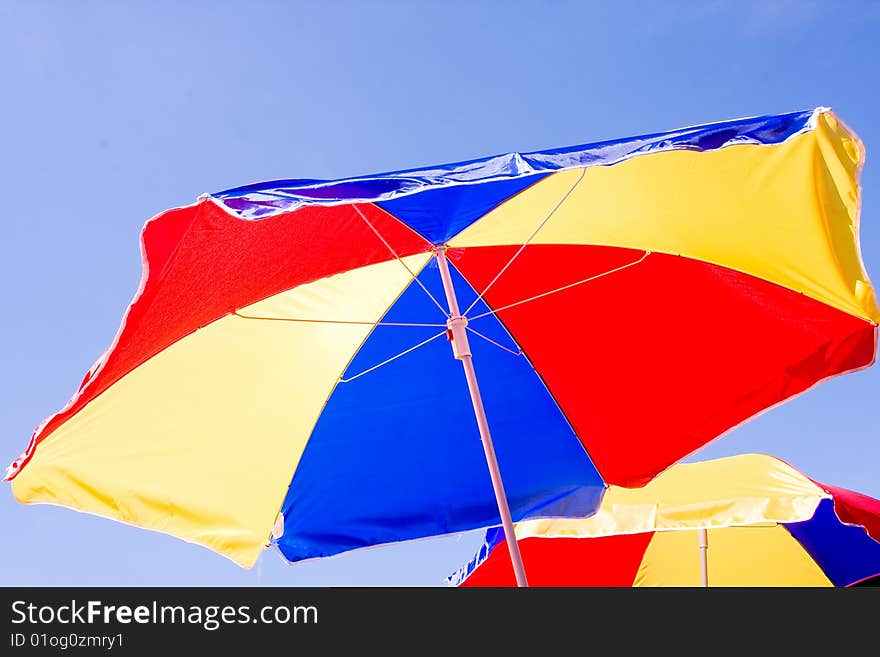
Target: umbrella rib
400 260
518 352
393 358
526 243
334 321
564 287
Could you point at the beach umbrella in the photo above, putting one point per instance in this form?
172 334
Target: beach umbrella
747 520
285 366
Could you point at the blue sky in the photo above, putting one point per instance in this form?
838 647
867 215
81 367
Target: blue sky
113 112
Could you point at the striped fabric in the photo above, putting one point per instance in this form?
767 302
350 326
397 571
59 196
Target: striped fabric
628 302
767 525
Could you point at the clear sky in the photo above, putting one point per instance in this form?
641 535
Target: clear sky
112 112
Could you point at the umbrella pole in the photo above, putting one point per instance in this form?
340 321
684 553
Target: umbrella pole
462 351
704 560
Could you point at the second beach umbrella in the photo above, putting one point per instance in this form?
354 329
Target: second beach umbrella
747 520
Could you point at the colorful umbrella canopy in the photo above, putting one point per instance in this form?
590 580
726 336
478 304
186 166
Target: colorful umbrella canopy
766 524
286 347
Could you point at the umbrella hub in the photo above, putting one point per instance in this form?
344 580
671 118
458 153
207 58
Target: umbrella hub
456 333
